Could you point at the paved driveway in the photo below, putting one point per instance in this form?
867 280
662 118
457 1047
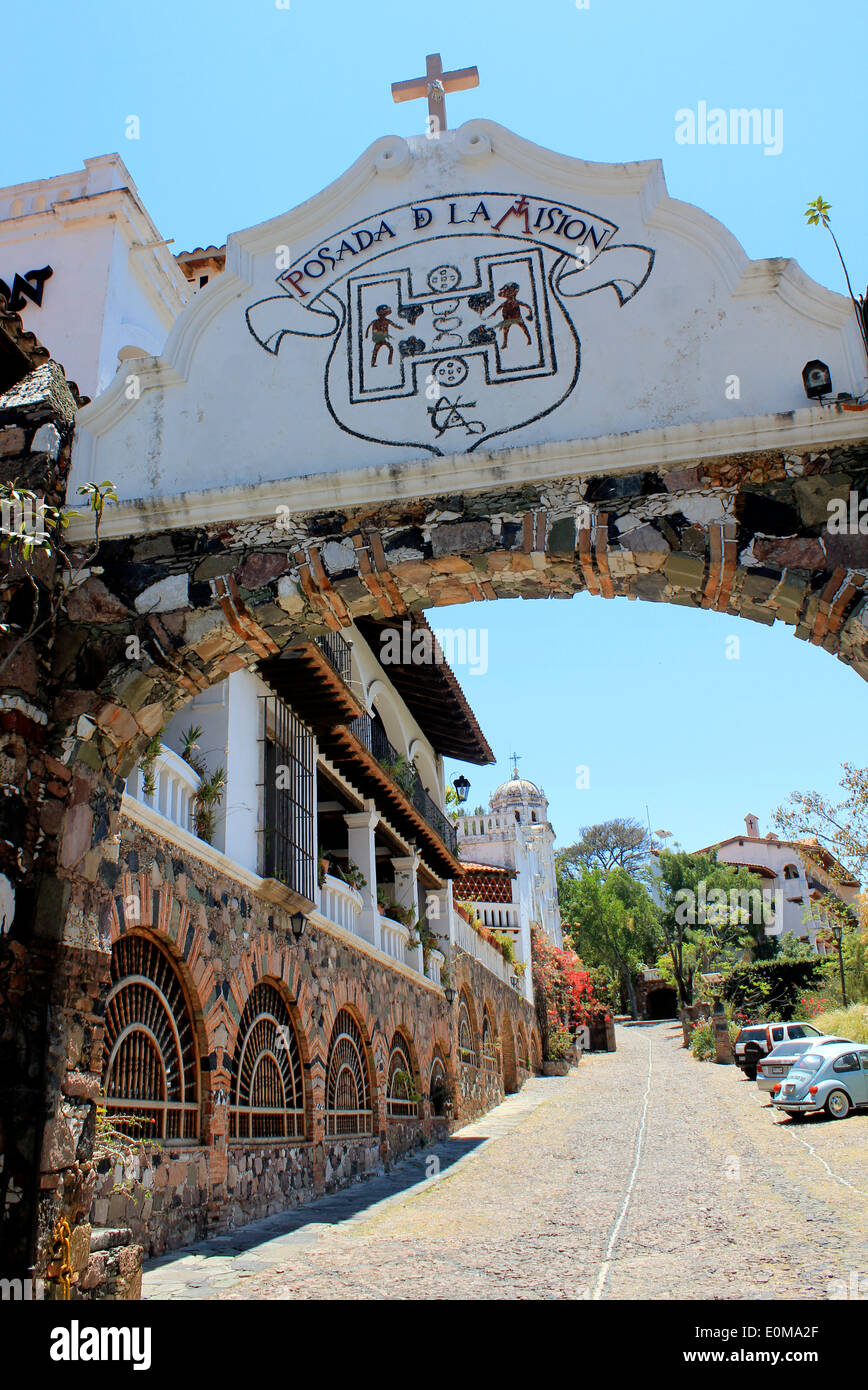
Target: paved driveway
643 1174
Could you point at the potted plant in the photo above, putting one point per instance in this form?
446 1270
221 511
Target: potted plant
402 771
211 785
353 875
560 1046
324 865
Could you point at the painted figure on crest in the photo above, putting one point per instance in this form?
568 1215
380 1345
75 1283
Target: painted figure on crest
510 311
380 326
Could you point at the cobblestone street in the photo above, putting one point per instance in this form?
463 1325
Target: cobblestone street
643 1174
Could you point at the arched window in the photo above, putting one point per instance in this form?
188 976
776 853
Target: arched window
523 1058
790 871
402 1101
466 1049
438 1089
267 1090
489 1054
348 1093
151 1068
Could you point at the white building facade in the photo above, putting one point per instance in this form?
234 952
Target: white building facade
88 271
516 834
373 863
796 875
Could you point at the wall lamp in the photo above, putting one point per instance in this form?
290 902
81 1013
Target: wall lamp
297 921
817 380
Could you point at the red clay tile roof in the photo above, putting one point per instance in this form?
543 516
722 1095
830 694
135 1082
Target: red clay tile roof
486 883
433 696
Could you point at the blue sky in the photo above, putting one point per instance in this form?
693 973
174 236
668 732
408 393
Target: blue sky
247 109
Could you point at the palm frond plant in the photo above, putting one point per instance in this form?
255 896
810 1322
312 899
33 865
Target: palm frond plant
190 749
149 757
206 802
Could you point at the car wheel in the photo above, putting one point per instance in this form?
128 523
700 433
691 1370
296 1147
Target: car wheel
837 1105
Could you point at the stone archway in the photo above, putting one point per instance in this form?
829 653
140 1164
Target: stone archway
174 611
661 1002
180 599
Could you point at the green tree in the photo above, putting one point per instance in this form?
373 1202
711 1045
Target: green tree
711 915
614 923
789 947
621 843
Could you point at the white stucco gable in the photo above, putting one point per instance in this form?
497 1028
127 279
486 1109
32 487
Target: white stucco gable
632 313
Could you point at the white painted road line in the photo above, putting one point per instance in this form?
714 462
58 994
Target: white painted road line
606 1265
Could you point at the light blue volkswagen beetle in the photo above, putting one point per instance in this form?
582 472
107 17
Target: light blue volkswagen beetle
831 1077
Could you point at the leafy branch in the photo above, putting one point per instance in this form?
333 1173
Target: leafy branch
26 551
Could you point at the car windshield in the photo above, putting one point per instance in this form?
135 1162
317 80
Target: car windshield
814 1032
788 1049
808 1064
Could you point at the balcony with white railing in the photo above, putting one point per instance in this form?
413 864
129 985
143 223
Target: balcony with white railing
340 903
469 941
432 970
492 825
394 936
175 788
499 916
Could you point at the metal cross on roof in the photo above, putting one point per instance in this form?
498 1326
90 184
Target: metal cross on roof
434 85
516 759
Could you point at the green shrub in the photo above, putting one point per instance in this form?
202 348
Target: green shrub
849 1023
702 1043
702 1040
767 989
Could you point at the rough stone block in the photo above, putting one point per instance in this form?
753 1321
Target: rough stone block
814 494
800 552
91 602
561 538
261 568
12 440
462 537
165 596
685 570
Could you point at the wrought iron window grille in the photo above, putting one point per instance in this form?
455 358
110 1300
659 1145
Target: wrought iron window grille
267 1088
151 1069
288 830
348 1092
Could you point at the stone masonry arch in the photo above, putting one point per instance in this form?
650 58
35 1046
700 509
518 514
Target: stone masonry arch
173 610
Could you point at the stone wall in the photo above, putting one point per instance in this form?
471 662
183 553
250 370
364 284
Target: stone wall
510 1017
223 939
41 1064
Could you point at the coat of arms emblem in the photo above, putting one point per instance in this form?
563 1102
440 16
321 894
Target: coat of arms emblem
459 332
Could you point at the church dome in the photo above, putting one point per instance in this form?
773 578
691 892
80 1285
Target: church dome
516 791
